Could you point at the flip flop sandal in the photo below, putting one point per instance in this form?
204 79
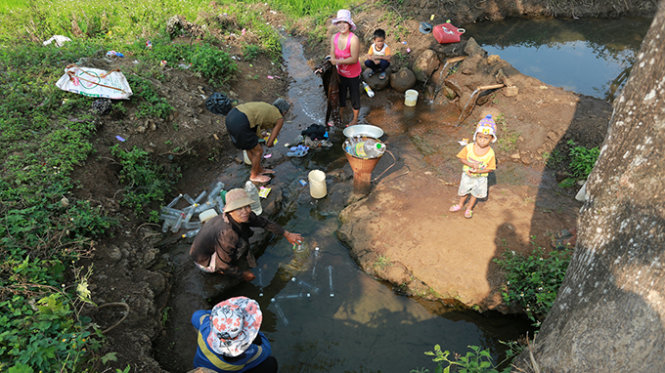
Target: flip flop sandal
298 153
260 179
468 214
454 208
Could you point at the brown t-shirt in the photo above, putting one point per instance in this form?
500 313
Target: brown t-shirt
229 240
261 115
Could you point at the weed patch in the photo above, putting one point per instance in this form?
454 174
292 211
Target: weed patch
533 281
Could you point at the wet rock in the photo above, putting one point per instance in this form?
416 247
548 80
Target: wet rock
511 91
493 59
449 93
425 64
445 51
403 79
101 106
396 273
374 82
156 281
114 253
472 48
149 257
470 65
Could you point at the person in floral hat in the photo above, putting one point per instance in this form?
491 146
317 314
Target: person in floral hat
229 339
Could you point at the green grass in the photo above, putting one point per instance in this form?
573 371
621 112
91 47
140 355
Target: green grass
46 134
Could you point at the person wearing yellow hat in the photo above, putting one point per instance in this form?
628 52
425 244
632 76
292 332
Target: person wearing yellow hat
224 240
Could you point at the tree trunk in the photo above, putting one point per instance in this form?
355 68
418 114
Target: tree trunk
609 315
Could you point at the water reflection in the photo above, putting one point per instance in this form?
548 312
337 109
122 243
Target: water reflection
585 56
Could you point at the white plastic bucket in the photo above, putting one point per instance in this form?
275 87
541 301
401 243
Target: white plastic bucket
317 184
410 97
245 158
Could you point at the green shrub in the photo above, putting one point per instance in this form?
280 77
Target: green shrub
532 281
582 160
150 104
214 64
144 181
475 361
250 52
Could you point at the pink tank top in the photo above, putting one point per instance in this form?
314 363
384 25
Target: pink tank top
346 70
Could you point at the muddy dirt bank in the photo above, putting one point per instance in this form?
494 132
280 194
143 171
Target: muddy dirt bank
465 11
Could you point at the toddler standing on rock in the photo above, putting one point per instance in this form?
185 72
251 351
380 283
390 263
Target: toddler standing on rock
479 160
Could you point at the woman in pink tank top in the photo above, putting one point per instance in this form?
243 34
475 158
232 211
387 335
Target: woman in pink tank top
344 53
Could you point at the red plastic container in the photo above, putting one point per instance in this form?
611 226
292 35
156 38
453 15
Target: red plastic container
447 33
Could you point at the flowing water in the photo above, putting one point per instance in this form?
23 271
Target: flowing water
587 56
322 313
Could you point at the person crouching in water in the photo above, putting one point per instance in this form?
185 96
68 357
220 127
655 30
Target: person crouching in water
224 240
229 339
479 160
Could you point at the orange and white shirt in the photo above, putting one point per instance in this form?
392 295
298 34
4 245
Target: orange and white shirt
385 51
486 161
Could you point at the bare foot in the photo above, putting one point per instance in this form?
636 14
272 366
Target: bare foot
260 179
353 123
267 171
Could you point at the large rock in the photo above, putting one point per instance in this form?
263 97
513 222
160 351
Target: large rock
426 63
374 81
403 79
472 48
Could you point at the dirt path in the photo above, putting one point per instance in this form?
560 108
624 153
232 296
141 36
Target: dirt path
403 231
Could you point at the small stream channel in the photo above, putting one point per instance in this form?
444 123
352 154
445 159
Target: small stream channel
357 325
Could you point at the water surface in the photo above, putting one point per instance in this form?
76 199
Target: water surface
586 56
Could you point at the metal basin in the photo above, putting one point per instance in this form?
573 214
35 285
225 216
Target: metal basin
363 130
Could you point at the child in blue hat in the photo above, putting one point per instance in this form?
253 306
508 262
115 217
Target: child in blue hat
479 160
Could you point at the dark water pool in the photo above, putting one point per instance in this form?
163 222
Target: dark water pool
587 56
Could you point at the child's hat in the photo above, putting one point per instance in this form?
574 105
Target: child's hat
344 15
234 323
487 127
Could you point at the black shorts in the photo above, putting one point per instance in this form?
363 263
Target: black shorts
353 86
242 135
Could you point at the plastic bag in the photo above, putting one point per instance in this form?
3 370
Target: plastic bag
93 82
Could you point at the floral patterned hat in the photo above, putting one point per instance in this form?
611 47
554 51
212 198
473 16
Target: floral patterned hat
487 127
234 323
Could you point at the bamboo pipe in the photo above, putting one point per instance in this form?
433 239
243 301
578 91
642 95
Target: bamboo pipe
472 100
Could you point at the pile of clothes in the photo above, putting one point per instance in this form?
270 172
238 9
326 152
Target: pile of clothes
314 136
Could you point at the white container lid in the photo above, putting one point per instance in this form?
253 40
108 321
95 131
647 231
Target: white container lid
207 215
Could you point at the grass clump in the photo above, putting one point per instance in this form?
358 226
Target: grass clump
582 160
44 135
476 360
145 182
532 281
